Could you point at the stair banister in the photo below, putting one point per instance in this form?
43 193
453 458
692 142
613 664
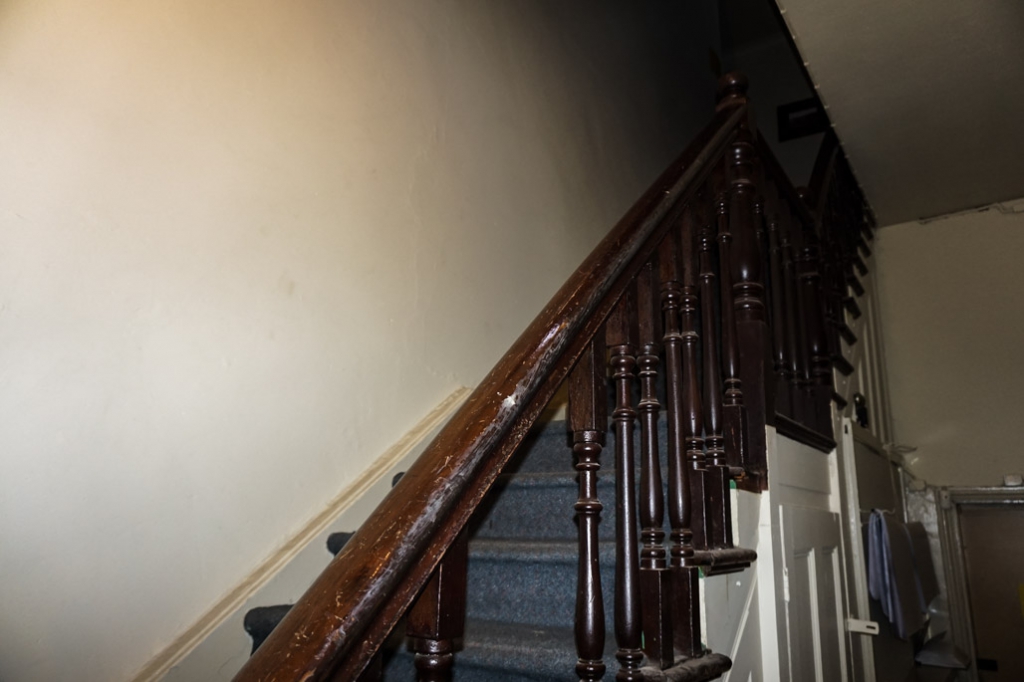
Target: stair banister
340 623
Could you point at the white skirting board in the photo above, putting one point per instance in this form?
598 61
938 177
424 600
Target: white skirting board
216 646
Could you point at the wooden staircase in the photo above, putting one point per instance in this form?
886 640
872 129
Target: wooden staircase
712 310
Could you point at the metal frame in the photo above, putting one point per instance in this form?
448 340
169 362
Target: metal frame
961 628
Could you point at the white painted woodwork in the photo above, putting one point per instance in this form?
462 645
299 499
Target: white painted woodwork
807 563
730 602
860 645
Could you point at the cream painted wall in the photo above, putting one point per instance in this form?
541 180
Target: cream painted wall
952 313
245 245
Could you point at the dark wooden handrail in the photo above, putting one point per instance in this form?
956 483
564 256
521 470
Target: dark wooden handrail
345 616
742 283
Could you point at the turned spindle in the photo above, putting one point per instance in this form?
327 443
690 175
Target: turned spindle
588 421
693 417
734 430
438 617
720 522
685 602
621 336
654 575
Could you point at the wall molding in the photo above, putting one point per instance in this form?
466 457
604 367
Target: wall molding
188 640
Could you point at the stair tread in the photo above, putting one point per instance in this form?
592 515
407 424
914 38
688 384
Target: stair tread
523 651
548 651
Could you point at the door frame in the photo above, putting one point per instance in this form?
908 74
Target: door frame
961 627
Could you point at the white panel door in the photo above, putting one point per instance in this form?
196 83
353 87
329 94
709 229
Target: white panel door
812 567
807 566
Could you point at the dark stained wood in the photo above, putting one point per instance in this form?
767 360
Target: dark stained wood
734 424
587 422
654 576
863 247
374 672
782 367
719 498
855 284
852 307
724 559
801 433
678 499
693 417
621 334
343 618
748 344
814 315
685 609
438 617
843 365
708 667
822 175
847 333
858 263
840 401
752 336
794 329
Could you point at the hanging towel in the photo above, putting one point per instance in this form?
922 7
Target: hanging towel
927 581
892 579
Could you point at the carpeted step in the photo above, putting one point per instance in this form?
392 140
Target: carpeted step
531 582
539 506
261 621
504 652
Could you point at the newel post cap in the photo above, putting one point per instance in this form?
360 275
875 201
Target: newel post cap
732 90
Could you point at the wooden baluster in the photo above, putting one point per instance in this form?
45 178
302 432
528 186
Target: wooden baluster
734 414
655 585
439 615
693 416
588 422
783 369
820 418
798 364
720 525
685 586
621 336
830 250
748 288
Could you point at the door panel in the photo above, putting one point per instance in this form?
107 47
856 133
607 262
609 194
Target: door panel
812 567
807 559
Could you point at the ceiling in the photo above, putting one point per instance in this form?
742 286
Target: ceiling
927 97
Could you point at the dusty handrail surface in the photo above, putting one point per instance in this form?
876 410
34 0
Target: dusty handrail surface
344 617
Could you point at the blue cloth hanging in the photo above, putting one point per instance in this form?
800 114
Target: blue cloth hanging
892 578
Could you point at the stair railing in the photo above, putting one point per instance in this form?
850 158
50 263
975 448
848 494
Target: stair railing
712 278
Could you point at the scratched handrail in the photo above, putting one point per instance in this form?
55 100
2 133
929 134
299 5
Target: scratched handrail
345 616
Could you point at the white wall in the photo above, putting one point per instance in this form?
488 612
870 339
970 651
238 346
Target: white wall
245 245
952 303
